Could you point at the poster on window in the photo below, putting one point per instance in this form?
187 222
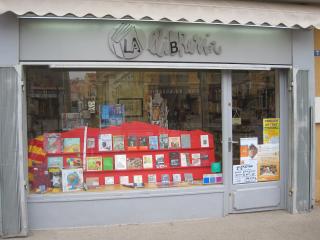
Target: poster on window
271 130
246 173
268 162
248 149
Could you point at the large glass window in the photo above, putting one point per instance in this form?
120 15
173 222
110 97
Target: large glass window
112 129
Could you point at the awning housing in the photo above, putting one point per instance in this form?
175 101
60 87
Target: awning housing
255 13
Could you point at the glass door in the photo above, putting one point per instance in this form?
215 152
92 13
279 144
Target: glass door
255 141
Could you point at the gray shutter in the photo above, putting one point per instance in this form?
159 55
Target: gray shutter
12 192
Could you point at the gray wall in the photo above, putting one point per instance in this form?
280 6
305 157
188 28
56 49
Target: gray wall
81 40
9 40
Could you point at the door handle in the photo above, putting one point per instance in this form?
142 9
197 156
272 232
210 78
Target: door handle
230 142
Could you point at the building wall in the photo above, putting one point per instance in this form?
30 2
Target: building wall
317 94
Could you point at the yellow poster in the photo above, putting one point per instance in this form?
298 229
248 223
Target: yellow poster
271 130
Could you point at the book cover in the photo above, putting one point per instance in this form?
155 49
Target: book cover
165 179
143 143
196 161
52 142
164 141
153 142
71 145
204 141
109 180
204 156
55 176
174 159
176 178
138 180
185 159
105 142
208 179
132 143
55 162
94 163
72 179
107 163
160 161
124 180
118 143
92 182
185 141
147 161
152 178
134 163
91 143
120 162
73 162
188 177
174 142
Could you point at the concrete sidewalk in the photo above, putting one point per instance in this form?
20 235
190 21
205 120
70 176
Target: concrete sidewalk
272 225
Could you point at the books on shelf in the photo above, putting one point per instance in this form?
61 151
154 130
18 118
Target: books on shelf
160 161
94 163
124 180
52 142
196 161
174 142
132 143
185 141
72 179
55 162
134 163
143 143
107 163
165 179
185 159
55 176
188 177
174 159
153 143
176 178
71 145
105 142
118 143
204 141
164 141
120 161
91 143
147 161
109 180
73 162
92 182
152 178
138 180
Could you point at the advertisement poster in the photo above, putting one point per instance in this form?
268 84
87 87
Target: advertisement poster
268 162
271 130
248 149
246 173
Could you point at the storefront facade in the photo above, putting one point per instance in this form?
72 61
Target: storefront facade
235 104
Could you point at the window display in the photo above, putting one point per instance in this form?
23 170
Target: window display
110 130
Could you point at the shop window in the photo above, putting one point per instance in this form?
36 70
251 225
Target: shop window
108 130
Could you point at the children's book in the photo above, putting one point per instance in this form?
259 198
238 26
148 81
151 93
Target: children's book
164 141
73 162
94 163
72 179
196 161
118 143
138 180
134 163
185 141
91 143
174 159
147 161
153 142
52 142
124 180
165 179
188 177
109 180
176 178
107 163
92 182
185 159
71 145
55 176
174 142
55 162
160 161
143 143
152 178
132 143
105 142
120 162
204 141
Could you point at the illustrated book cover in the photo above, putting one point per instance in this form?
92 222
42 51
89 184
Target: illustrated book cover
94 163
147 161
185 141
174 142
55 175
188 177
185 159
153 143
71 145
160 161
134 163
204 141
143 143
152 178
73 162
55 162
176 178
164 141
196 160
120 162
72 179
109 180
91 143
92 182
52 142
124 180
174 159
107 163
132 143
105 142
118 143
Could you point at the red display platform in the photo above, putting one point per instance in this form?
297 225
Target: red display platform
141 129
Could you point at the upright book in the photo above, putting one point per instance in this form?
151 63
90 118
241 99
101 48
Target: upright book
107 163
174 142
185 141
120 161
185 159
164 141
204 140
72 179
174 159
105 142
118 143
134 163
94 163
153 143
55 162
196 160
52 142
73 162
132 143
71 145
143 143
160 161
147 161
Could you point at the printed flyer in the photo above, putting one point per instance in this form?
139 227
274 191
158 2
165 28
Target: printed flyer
248 149
271 130
268 162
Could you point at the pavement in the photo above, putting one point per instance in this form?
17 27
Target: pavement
271 225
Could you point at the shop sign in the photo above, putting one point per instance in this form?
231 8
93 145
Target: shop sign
127 41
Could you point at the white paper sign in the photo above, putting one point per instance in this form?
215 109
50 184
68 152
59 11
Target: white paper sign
246 173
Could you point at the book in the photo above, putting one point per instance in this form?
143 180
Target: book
147 161
134 163
143 143
208 179
174 142
188 177
174 159
109 180
73 162
132 143
92 182
91 143
138 180
72 179
105 142
55 176
120 162
204 156
204 141
118 143
71 145
52 142
107 163
94 163
124 180
55 162
152 178
164 141
185 159
153 142
196 161
176 178
165 179
185 141
160 161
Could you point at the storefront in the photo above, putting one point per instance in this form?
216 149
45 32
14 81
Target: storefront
135 121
